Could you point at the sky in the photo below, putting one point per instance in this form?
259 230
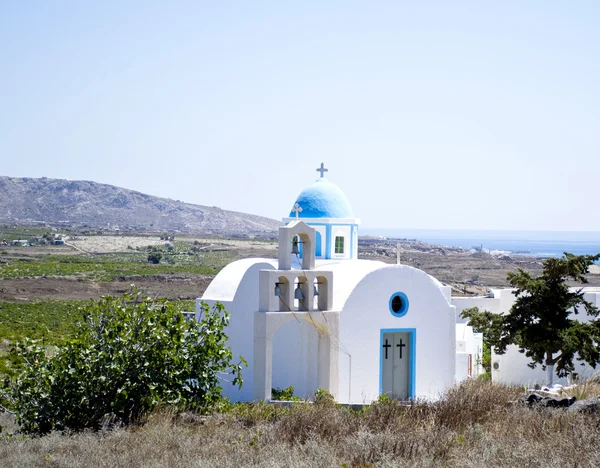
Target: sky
429 115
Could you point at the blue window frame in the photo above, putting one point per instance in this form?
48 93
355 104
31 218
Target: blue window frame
399 304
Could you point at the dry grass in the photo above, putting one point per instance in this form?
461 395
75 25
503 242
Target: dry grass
473 425
587 389
113 243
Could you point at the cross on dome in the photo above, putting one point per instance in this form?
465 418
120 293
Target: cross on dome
322 199
297 209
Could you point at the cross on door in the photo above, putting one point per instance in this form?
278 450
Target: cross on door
400 345
396 377
386 346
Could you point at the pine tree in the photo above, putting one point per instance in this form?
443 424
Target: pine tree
540 321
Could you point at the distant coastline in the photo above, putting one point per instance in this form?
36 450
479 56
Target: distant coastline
536 243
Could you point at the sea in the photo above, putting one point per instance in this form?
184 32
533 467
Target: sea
536 243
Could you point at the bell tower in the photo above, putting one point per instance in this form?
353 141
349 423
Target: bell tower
295 291
292 237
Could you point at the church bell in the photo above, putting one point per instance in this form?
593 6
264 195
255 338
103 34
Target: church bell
295 249
298 294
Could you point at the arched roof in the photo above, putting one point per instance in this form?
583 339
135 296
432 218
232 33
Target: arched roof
225 285
348 275
323 199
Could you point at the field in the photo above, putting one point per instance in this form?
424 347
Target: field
43 289
52 321
93 266
474 425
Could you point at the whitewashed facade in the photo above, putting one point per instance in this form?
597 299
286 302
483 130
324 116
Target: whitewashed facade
317 317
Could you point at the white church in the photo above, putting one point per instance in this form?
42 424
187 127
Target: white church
318 317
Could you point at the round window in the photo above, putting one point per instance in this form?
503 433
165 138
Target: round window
399 304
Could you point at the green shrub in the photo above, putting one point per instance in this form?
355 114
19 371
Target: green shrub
323 398
53 322
154 257
129 356
287 394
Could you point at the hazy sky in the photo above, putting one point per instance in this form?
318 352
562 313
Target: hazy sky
445 114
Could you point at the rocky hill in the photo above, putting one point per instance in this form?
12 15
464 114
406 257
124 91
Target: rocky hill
82 204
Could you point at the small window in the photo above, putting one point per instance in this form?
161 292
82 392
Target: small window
339 245
399 304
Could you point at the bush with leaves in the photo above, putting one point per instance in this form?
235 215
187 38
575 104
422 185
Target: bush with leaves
287 394
154 258
129 356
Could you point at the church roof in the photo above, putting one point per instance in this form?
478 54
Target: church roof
225 285
348 275
323 199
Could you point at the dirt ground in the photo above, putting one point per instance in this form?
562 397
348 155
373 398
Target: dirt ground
175 287
469 273
108 244
171 287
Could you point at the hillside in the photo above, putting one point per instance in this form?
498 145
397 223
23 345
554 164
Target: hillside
90 204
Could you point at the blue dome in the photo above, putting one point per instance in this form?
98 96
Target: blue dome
323 199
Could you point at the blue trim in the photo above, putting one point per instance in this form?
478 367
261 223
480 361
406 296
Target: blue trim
319 242
405 303
413 357
329 238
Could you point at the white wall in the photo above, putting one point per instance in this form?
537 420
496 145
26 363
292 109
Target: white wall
501 302
295 358
478 352
366 313
512 366
468 344
484 303
345 232
462 365
241 326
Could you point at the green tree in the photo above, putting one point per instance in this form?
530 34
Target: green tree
540 321
129 356
154 257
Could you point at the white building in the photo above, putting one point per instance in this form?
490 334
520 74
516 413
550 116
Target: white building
469 351
317 317
512 367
